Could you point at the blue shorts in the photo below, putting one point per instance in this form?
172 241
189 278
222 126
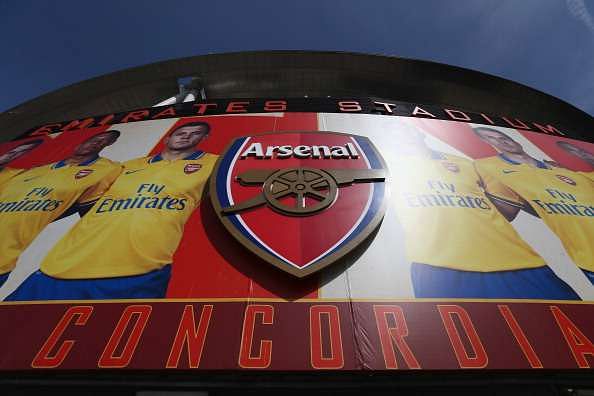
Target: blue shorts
39 286
3 278
534 283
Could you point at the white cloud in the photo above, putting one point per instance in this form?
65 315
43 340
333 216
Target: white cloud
581 94
578 9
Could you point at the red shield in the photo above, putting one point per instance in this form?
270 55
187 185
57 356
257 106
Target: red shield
300 200
566 179
82 173
191 168
451 167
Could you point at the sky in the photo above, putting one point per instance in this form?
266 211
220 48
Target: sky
545 44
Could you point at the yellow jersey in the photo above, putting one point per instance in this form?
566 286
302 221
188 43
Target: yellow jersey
563 199
589 175
8 173
448 220
137 225
36 197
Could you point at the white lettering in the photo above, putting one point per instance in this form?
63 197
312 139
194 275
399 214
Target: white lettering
255 149
336 152
339 152
302 151
270 150
284 152
325 152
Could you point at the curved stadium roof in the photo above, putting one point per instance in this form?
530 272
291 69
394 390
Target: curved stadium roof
277 74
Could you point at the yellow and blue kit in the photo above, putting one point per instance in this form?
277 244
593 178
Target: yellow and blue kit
563 199
589 175
124 245
7 173
459 243
34 198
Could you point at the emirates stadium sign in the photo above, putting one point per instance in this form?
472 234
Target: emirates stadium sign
277 235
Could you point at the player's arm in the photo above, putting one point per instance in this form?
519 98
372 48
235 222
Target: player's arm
206 171
6 174
80 208
507 202
507 209
83 208
93 193
510 209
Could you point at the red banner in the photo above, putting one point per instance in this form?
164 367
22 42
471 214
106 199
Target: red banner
303 335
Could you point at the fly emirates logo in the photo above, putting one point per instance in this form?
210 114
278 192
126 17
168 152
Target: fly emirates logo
444 194
564 203
36 200
148 196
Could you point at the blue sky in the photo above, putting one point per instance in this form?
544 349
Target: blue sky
545 44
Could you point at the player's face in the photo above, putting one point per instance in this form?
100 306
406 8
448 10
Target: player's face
578 152
185 137
500 142
15 153
95 144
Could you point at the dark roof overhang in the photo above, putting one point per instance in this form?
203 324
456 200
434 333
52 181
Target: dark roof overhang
278 74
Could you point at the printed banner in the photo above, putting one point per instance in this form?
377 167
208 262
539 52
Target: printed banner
296 241
306 335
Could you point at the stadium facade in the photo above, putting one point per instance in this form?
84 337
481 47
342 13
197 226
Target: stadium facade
299 222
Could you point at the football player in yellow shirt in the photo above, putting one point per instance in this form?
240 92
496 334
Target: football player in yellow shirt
581 153
459 244
124 246
38 196
7 172
562 198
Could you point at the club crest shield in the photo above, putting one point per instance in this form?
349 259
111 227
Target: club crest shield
300 200
452 167
566 179
191 168
83 173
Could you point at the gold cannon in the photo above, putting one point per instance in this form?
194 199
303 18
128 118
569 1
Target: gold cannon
320 185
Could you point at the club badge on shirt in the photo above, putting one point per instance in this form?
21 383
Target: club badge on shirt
191 168
83 173
566 179
451 167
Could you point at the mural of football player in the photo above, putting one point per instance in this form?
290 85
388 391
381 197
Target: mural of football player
458 243
7 172
38 196
124 246
562 198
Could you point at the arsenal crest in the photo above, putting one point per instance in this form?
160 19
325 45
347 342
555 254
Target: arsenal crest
82 173
566 179
300 200
452 167
191 168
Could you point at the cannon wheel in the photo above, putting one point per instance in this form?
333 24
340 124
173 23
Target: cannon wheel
300 183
